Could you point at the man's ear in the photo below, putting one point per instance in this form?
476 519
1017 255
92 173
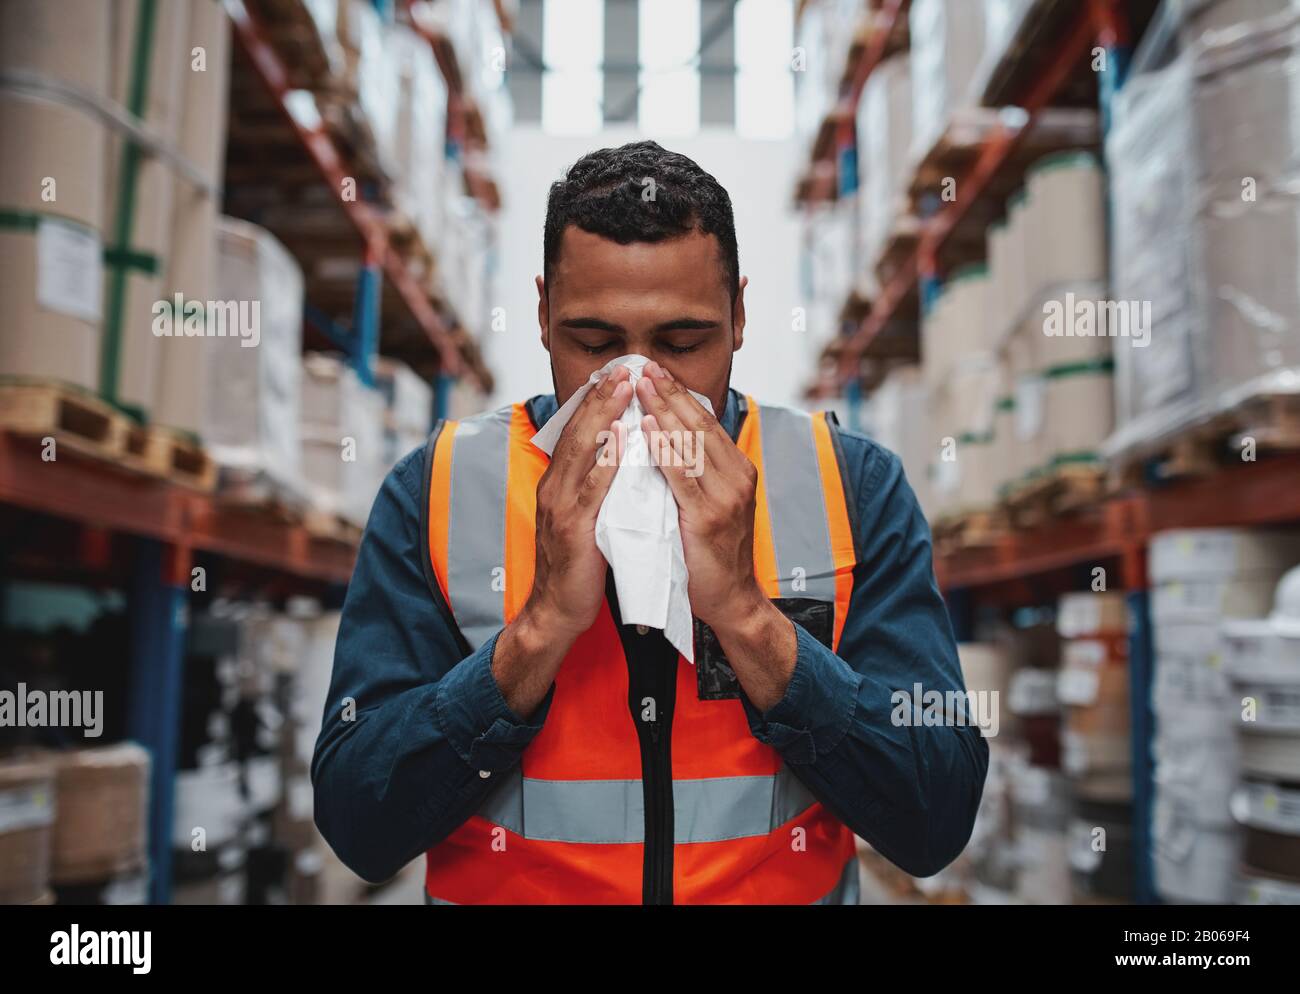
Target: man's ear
543 313
738 316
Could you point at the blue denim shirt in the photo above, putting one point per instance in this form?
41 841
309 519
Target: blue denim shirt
432 730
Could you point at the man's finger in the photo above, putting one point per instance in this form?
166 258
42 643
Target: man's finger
682 478
673 405
595 485
579 443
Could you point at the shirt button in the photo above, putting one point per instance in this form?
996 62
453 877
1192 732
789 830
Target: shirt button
484 774
642 629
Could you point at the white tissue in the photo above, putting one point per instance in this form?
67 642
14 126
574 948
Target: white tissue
636 528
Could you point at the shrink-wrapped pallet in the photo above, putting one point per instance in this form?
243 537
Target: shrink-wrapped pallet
884 149
420 135
900 410
1204 154
342 438
52 210
947 44
251 427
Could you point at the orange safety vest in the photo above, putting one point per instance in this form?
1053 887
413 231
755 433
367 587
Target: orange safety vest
568 824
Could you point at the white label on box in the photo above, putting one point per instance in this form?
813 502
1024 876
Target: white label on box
1074 754
1031 392
68 269
126 890
1084 653
25 807
1077 686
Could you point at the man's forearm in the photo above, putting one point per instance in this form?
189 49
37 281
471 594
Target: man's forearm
528 654
760 644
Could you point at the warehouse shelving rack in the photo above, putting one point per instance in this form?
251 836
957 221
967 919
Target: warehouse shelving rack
380 259
1031 566
163 526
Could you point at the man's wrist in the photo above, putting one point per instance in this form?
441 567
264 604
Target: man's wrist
761 644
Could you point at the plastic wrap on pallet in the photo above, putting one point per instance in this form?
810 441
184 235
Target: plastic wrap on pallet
1002 20
830 238
1205 159
1204 20
1247 115
813 94
251 426
408 399
372 72
464 262
420 136
342 438
900 412
884 147
324 16
1155 253
947 42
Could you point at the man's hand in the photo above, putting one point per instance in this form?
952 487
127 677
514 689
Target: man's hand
715 485
569 573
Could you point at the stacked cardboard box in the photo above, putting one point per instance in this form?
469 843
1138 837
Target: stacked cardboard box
408 408
26 824
1262 659
1201 578
52 211
191 268
341 430
100 826
1047 317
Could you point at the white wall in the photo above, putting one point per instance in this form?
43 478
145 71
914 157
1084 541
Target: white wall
775 363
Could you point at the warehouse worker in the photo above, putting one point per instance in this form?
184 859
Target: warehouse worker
489 708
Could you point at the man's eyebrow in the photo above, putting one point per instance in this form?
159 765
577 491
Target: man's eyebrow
687 324
595 324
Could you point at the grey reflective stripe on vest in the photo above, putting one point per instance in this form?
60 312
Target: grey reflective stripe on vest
613 812
479 464
796 504
847 890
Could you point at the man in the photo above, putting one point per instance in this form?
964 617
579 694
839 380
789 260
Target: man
489 708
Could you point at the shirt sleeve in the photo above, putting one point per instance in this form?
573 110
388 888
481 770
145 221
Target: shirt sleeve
908 789
415 733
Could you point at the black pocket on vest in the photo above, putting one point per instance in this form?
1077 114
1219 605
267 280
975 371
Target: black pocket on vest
714 677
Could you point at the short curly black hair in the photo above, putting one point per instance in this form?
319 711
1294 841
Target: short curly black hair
641 192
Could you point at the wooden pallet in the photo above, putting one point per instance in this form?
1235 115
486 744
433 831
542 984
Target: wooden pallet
1271 422
1065 490
970 530
173 456
83 423
72 417
257 495
326 526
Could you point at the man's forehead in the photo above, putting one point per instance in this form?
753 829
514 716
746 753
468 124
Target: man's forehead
691 262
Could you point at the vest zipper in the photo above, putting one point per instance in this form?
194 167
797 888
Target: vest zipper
657 773
652 674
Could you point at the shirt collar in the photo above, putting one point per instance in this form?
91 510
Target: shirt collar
541 407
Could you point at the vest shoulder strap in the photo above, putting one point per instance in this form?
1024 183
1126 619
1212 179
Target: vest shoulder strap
804 504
